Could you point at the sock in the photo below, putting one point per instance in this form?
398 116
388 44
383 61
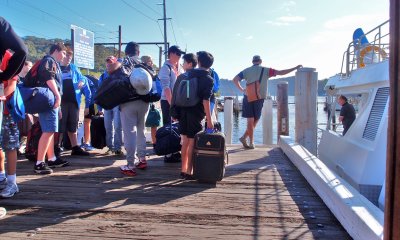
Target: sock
39 162
52 158
12 178
2 175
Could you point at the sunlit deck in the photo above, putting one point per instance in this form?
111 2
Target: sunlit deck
263 196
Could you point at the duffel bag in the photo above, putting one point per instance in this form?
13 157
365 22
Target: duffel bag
37 99
168 140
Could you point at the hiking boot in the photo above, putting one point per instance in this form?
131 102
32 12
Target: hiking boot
42 168
128 171
9 191
174 158
118 152
87 147
77 151
57 163
244 142
3 183
142 164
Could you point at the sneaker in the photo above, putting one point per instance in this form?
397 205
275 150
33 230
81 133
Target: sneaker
57 163
174 158
87 147
189 177
142 164
42 168
118 152
128 171
3 183
77 151
9 191
244 142
109 151
251 146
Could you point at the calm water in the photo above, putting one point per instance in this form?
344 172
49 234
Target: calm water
239 123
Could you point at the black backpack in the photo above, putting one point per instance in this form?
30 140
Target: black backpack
116 89
185 92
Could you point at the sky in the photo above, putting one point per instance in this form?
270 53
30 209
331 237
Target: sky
314 33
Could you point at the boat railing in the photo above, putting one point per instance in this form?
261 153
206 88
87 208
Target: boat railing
359 55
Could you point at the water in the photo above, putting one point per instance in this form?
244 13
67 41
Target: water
239 123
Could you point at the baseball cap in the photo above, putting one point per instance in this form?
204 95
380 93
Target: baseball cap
111 59
256 58
175 49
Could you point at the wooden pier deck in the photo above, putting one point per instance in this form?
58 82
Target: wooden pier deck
263 196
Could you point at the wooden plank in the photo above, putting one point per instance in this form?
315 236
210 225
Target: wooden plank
262 196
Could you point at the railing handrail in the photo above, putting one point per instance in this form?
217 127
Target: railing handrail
351 51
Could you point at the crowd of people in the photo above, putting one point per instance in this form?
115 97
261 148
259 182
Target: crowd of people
125 124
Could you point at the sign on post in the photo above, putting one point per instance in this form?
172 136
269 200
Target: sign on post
83 42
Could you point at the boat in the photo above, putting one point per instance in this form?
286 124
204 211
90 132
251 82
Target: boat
349 170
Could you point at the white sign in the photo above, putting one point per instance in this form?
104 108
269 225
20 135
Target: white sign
83 47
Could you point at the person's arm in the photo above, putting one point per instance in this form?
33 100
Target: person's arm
342 113
165 78
10 40
236 81
206 105
11 85
53 87
286 71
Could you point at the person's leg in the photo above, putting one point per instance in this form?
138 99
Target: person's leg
109 128
117 130
3 179
250 130
142 109
165 112
129 122
86 128
189 168
184 154
49 124
153 135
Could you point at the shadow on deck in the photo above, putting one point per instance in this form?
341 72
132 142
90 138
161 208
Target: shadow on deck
263 196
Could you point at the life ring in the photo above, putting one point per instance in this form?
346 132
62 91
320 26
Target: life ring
368 49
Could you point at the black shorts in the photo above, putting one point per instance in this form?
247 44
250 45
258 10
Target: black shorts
190 121
70 117
91 113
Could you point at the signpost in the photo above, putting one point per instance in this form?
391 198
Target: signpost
83 46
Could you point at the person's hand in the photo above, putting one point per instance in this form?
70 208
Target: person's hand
3 98
86 112
299 66
210 125
57 102
80 85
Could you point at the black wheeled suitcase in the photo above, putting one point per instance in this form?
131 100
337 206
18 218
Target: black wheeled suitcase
98 132
209 157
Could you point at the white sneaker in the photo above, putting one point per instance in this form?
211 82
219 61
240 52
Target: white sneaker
3 212
3 183
9 191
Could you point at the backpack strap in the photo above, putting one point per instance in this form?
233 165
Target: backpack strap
261 75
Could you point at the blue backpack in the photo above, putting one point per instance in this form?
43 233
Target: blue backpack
215 76
16 106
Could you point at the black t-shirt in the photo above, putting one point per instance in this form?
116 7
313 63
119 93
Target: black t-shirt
68 87
349 115
49 69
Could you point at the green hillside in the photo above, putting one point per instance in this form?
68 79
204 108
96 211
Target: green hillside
38 47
